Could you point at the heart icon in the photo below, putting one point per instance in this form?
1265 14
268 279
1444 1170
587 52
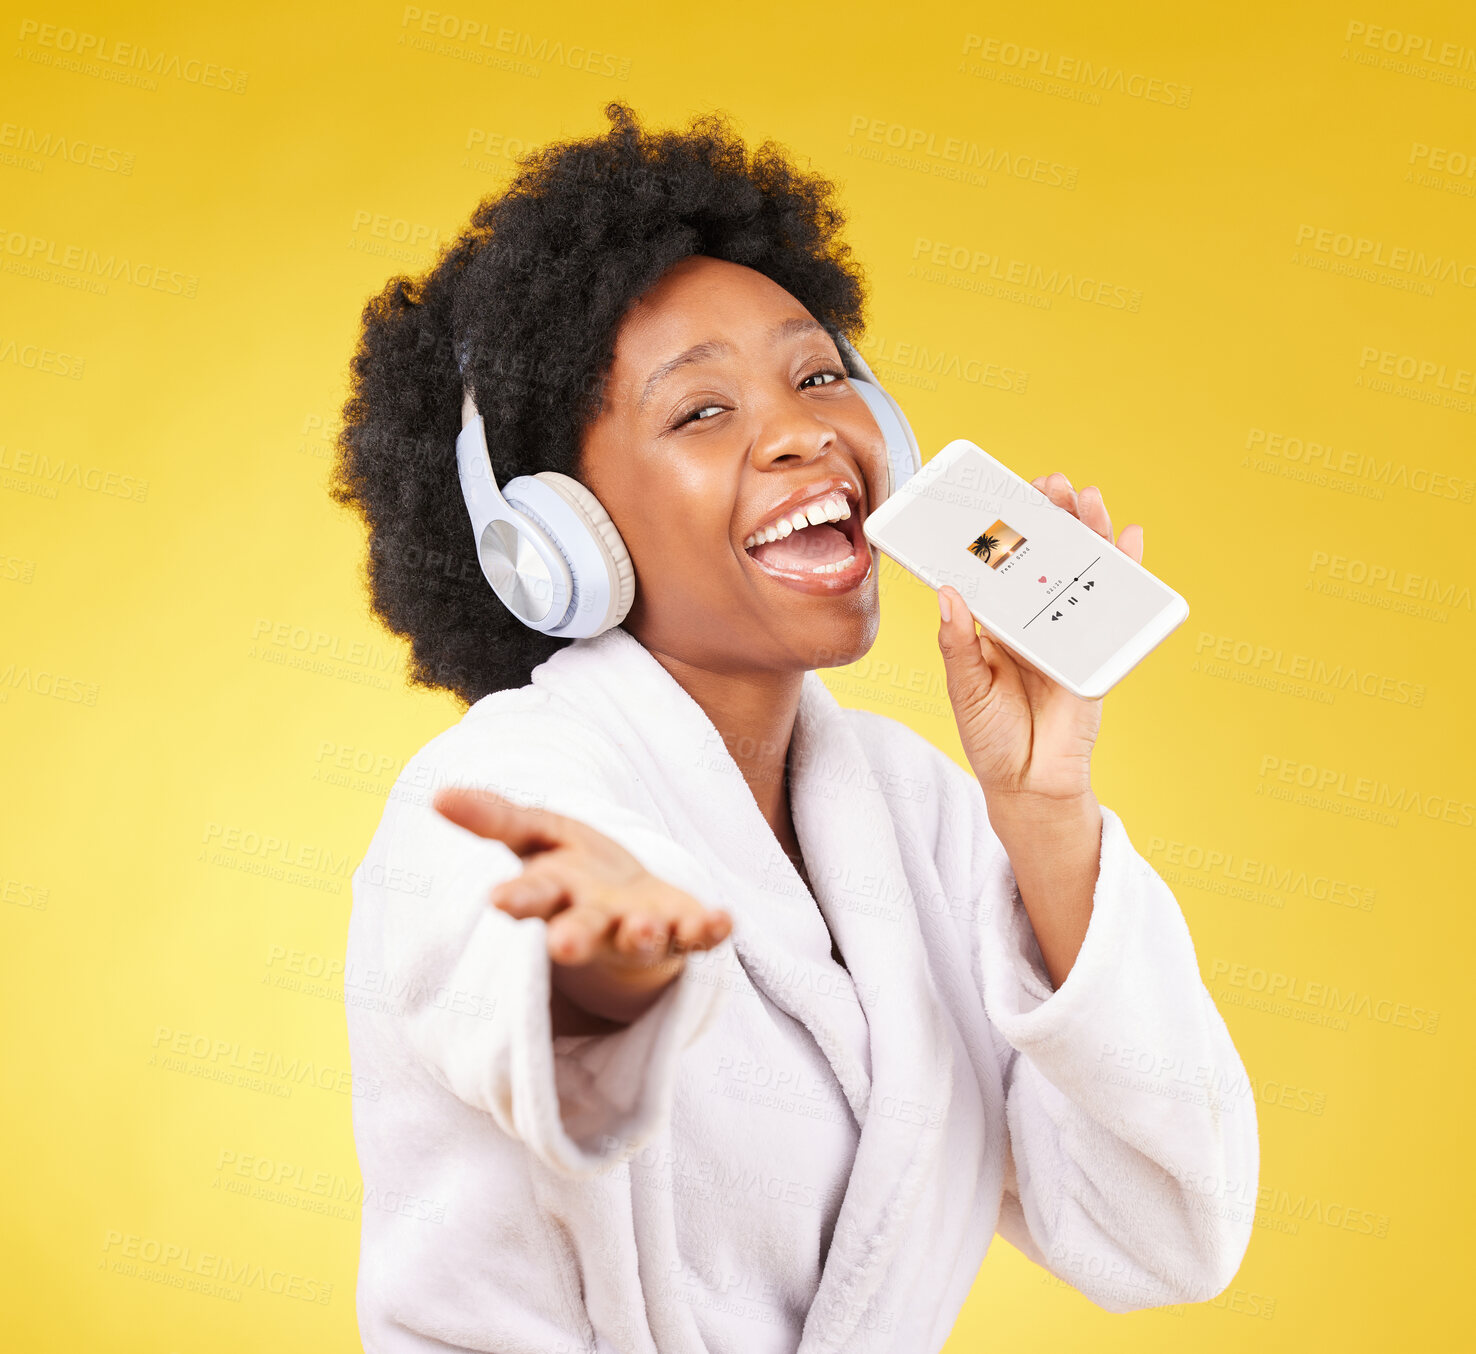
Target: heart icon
1041 579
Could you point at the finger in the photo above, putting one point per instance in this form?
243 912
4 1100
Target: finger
1057 488
642 933
575 935
1014 674
977 670
530 894
553 880
963 661
700 928
1094 511
1131 542
1023 665
525 830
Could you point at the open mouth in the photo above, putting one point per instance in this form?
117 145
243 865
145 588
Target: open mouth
828 553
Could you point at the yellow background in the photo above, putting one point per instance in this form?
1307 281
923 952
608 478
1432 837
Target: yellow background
168 557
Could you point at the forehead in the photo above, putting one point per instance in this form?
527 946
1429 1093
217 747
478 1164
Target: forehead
696 299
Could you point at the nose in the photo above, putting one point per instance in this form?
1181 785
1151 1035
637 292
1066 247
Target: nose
792 430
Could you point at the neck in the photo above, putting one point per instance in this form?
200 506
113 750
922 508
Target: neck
754 712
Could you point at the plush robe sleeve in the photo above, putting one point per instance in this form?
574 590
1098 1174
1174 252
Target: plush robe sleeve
1134 1154
476 980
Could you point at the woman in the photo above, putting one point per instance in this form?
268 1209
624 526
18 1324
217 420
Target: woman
709 1015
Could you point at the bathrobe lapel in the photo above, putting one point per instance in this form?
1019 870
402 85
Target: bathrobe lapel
850 847
898 1076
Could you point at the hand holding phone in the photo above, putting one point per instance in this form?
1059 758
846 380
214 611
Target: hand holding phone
1037 578
1028 735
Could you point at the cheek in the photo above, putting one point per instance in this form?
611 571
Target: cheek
684 550
862 434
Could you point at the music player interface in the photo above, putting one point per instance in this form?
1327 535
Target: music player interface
1039 574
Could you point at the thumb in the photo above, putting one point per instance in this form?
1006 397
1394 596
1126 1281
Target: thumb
980 674
970 678
526 831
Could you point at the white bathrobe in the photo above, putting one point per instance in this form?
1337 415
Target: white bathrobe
779 1155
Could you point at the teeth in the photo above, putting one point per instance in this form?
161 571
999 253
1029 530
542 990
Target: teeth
836 567
832 508
829 568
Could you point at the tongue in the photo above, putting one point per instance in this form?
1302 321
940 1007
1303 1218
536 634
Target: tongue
804 549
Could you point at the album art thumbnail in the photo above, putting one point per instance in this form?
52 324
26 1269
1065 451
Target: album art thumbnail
997 544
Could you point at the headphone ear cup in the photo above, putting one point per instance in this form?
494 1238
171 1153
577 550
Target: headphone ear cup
603 534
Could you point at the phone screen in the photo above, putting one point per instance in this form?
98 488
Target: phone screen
1044 581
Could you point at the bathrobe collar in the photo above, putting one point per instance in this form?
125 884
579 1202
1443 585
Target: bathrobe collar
899 1087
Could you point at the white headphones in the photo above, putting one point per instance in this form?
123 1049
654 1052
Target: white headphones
549 549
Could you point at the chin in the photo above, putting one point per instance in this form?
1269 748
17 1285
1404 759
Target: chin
848 634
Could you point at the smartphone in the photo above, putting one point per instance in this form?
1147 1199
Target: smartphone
1034 576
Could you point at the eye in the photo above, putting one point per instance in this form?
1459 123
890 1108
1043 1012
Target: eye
696 413
693 415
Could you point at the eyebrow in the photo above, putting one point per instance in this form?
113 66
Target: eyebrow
701 352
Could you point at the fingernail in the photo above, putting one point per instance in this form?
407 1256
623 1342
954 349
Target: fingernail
944 609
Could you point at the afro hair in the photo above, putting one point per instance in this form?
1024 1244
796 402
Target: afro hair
533 291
